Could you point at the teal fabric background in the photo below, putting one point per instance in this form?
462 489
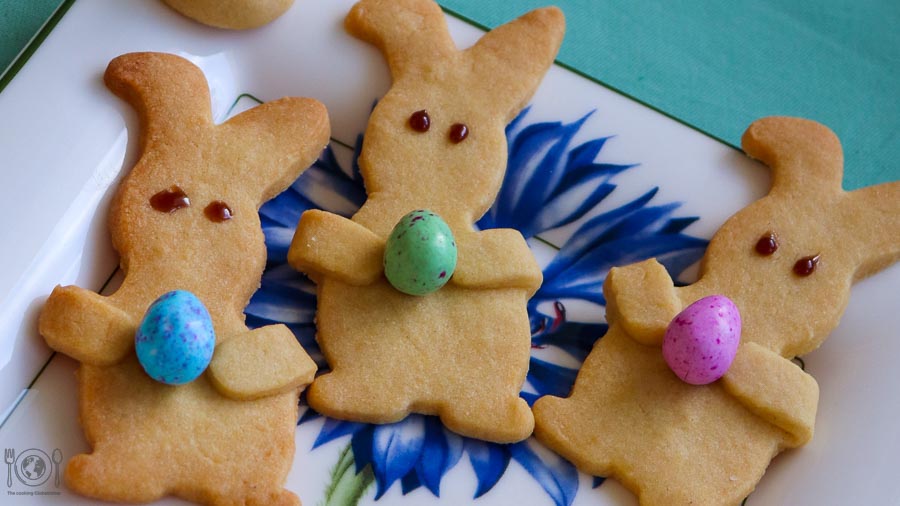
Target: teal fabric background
19 21
719 64
713 64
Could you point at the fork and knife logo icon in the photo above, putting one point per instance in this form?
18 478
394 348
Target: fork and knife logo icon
32 467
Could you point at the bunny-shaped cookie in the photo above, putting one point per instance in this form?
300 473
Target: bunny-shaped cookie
435 141
186 218
787 261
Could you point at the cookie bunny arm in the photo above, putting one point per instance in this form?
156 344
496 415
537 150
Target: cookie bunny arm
288 135
496 258
642 299
329 245
775 389
85 326
266 361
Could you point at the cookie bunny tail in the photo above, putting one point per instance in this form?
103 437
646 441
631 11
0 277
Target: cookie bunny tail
410 33
871 223
805 156
160 85
525 47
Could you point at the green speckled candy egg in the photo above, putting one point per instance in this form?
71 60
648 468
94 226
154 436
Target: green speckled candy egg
420 254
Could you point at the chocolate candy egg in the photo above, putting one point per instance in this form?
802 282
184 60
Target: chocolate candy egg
701 342
175 341
420 254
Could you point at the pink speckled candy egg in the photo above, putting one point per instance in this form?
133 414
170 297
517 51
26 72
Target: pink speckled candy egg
701 342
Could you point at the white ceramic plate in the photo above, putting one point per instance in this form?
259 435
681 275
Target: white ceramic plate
65 140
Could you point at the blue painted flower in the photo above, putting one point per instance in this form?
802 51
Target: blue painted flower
630 233
545 174
549 183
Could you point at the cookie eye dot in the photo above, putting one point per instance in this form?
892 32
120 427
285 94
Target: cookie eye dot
218 211
767 244
458 133
420 121
806 265
170 200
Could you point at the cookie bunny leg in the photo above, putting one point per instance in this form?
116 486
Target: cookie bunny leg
553 417
344 395
496 359
91 476
280 498
560 422
471 419
266 497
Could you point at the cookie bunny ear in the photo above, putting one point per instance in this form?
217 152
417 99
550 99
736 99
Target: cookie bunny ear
511 59
169 93
870 218
287 136
410 33
805 156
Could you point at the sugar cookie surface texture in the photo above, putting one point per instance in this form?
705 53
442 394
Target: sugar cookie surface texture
462 351
232 14
226 436
630 417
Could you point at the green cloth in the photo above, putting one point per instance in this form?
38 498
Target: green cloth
719 64
713 64
20 20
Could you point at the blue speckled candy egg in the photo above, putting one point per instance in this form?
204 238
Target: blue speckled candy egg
420 254
175 341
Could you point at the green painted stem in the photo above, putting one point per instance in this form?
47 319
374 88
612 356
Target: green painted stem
347 486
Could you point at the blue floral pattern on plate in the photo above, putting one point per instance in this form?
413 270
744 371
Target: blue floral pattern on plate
550 183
